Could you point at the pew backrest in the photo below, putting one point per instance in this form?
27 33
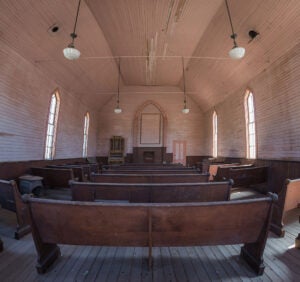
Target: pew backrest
78 171
155 193
222 171
54 177
245 177
152 171
149 178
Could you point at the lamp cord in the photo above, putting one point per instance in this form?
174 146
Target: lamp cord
183 76
74 35
119 81
233 36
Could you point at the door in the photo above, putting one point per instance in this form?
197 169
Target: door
179 151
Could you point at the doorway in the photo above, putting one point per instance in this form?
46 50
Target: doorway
179 151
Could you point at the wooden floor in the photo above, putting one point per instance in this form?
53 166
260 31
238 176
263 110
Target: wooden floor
86 263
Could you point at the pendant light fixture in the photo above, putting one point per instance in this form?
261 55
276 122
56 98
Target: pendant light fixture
117 109
236 52
185 110
71 53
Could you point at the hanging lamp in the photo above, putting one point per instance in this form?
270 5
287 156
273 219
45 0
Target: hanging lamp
185 110
236 52
117 109
71 53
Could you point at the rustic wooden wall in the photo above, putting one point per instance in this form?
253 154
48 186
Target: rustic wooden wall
179 126
277 104
24 103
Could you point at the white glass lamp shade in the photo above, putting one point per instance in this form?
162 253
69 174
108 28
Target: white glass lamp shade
71 53
117 110
185 110
237 53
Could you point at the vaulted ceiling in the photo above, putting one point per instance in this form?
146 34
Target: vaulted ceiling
150 37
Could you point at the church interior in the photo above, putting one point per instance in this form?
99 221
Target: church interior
149 140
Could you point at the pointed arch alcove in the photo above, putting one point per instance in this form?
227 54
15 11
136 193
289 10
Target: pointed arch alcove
149 134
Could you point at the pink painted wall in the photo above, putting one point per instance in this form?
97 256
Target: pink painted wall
24 101
188 127
277 109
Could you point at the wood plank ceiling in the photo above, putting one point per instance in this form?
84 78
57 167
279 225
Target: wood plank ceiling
151 36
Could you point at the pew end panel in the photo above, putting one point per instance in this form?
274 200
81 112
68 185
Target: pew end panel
288 199
10 199
1 245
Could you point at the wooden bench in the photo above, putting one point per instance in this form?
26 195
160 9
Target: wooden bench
221 172
288 199
78 171
149 178
250 176
10 199
150 225
213 168
155 193
54 177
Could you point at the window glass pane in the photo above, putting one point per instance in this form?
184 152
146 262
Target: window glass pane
250 125
53 104
251 140
251 117
85 134
52 120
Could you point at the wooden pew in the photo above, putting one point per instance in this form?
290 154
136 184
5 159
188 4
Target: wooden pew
10 199
221 172
213 169
150 225
149 178
54 177
250 176
288 199
154 193
77 171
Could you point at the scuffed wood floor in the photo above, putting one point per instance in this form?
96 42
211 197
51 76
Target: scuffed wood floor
86 263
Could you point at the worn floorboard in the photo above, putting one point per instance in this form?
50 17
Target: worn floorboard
89 263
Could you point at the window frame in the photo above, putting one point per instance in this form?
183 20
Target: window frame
251 136
52 121
215 134
86 127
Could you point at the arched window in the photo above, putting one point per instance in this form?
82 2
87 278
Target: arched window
215 134
52 125
85 134
250 125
